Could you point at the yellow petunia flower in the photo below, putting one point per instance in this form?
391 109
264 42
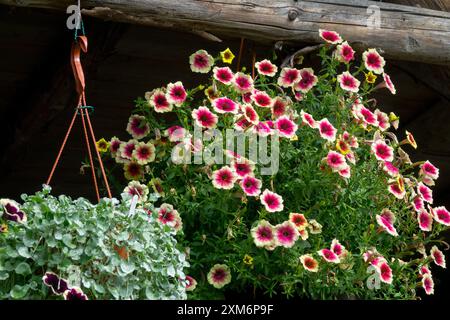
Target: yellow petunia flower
102 145
370 77
248 260
227 56
3 228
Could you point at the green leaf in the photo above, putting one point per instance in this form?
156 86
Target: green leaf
18 292
23 268
127 267
23 252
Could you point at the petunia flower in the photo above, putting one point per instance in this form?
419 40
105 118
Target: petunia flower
204 117
227 56
138 127
144 153
428 169
307 80
309 263
345 172
298 96
288 77
224 178
176 94
344 52
308 119
272 201
102 145
425 220
242 124
224 74
382 151
219 276
114 145
286 234
329 256
133 171
242 82
263 234
12 212
342 147
336 161
409 140
367 116
126 149
243 167
326 130
386 221
136 188
390 169
351 157
314 227
330 36
167 214
176 133
159 102
250 114
370 77
74 293
424 270
348 82
267 68
262 129
303 234
225 105
261 99
251 185
395 189
438 257
191 283
425 193
54 282
418 204
385 272
285 127
299 220
388 83
373 61
338 248
211 93
428 284
441 215
201 61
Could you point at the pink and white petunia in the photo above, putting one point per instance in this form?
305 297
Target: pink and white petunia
12 212
390 169
267 68
309 263
176 133
285 127
263 234
388 83
250 114
428 284
307 82
251 185
243 167
308 119
346 172
144 153
279 107
191 283
382 119
176 94
368 116
138 189
418 204
441 215
204 117
336 161
386 221
201 61
126 149
288 77
298 96
262 129
225 105
326 130
286 234
385 272
219 276
438 257
373 61
396 190
348 82
329 256
224 178
382 151
242 82
428 169
424 270
330 36
138 127
425 193
344 52
272 201
410 139
114 145
159 102
425 220
338 248
261 99
299 220
242 124
351 157
223 74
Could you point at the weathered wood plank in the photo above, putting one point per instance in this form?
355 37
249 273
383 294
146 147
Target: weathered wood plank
405 33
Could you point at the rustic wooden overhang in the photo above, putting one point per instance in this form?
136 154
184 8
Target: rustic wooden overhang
404 33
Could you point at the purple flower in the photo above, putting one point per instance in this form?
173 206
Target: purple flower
75 293
12 211
58 285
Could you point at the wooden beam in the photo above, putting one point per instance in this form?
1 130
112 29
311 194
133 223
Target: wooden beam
405 33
